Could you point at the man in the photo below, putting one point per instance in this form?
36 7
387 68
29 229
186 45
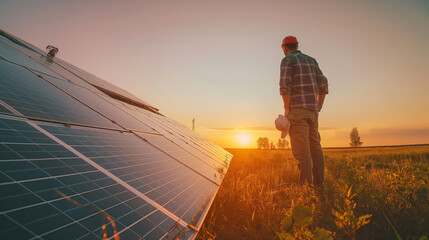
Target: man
303 88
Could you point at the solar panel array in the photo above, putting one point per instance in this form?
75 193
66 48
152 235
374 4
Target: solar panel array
77 163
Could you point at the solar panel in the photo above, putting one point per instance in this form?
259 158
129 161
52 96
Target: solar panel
185 133
16 56
76 163
136 162
34 97
156 122
94 80
34 168
209 169
100 104
219 162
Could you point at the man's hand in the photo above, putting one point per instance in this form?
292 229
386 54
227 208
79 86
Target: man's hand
287 110
286 102
320 100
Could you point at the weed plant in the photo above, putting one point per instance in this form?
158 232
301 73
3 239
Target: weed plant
260 189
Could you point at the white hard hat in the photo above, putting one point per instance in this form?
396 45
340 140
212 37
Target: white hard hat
283 125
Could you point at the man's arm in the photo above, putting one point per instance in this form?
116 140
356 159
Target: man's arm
322 85
286 83
320 100
286 103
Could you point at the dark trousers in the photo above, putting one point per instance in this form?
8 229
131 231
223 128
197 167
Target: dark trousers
305 143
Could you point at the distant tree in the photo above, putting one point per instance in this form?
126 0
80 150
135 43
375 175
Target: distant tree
282 144
272 146
260 143
355 138
263 143
266 142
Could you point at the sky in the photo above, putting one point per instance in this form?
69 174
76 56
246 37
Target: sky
219 61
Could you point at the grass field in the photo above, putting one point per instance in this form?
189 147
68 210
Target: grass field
260 189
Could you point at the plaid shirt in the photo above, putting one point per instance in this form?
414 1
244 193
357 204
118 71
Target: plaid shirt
302 79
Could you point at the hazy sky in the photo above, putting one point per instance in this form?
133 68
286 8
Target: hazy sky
218 61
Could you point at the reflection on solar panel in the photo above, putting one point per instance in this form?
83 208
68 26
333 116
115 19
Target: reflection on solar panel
83 159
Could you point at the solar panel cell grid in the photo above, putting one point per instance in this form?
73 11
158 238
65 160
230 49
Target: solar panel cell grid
179 138
101 105
205 166
182 132
10 230
201 153
186 132
136 162
32 205
37 61
138 113
192 137
92 79
209 155
41 64
222 157
34 97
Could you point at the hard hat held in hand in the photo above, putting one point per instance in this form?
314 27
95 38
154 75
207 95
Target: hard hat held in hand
283 125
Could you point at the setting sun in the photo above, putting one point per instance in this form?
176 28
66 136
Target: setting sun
243 139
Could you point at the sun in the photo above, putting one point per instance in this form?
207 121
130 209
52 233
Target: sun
243 139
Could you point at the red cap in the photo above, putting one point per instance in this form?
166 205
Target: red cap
289 40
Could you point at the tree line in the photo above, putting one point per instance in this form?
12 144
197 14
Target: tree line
265 143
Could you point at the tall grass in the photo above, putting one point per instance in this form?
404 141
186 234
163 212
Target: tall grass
260 189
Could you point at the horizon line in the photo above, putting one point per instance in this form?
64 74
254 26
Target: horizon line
377 146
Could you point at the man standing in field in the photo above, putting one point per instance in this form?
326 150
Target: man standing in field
303 88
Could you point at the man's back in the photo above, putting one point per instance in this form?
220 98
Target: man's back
302 78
